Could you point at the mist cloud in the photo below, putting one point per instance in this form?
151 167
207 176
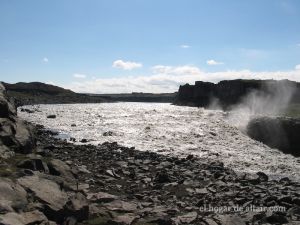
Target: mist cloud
272 100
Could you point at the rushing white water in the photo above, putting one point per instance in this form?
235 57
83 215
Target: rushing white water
166 129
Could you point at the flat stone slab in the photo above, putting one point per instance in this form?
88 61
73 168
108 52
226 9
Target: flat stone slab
27 218
121 206
101 197
45 190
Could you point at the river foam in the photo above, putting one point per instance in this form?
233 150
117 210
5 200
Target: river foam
167 129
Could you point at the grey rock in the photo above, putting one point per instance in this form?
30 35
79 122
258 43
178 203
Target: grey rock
121 206
187 218
26 218
46 191
34 164
162 177
231 220
77 207
126 219
24 137
12 196
101 197
59 168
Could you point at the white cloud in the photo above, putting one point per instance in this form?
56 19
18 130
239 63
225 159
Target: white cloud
45 60
297 67
212 62
78 75
179 70
185 46
126 65
168 78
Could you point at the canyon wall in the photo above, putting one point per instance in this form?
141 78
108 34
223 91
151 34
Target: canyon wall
230 92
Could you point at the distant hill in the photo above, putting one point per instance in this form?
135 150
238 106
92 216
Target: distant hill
41 93
140 97
37 88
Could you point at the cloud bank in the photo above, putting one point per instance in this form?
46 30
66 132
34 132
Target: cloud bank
165 79
120 64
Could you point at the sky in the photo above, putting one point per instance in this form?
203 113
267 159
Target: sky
118 46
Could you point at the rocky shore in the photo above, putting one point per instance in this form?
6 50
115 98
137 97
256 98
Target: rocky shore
45 180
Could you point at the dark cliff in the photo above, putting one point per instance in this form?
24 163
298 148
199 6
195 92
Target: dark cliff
277 132
230 92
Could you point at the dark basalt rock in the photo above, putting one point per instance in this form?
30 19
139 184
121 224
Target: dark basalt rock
51 116
229 92
277 132
15 135
34 164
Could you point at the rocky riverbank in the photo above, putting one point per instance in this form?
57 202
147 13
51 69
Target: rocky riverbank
52 181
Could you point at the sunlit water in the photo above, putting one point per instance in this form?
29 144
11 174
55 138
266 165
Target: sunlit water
167 129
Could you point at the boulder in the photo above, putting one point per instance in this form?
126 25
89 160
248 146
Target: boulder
24 137
26 218
7 132
77 207
59 168
47 192
34 164
12 196
14 133
4 108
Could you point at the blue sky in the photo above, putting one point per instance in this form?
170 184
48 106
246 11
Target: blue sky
147 45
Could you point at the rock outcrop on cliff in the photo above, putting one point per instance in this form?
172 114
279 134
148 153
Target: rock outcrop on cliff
277 132
230 92
15 135
33 189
